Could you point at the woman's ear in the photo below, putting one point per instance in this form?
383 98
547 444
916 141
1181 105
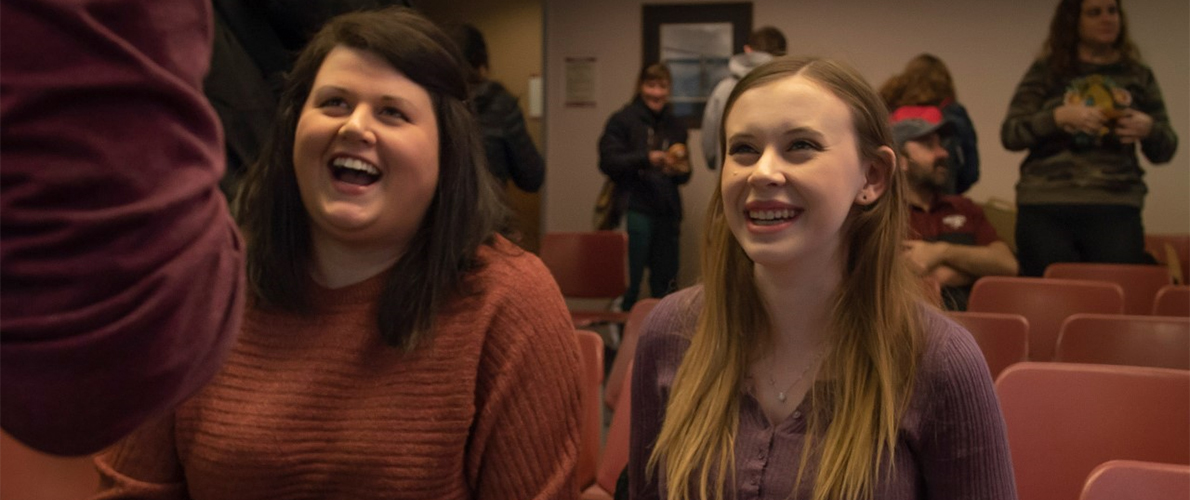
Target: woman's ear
876 179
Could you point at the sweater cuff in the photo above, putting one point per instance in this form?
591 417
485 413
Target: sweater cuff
1043 123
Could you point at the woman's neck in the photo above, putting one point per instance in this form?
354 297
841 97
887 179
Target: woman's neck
799 304
336 265
1098 54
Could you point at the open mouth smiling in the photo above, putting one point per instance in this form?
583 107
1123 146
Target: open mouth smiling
772 217
354 171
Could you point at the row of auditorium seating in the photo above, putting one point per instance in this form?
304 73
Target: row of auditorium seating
1115 339
1066 419
1047 302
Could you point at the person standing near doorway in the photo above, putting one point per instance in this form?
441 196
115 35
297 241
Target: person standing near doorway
643 151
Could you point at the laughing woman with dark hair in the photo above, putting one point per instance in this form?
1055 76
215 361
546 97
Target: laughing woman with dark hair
396 344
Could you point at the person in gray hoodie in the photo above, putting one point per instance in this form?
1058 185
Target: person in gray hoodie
763 45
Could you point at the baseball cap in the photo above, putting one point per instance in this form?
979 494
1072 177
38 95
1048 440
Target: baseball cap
911 122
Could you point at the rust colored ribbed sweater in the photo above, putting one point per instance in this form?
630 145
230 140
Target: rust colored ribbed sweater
318 407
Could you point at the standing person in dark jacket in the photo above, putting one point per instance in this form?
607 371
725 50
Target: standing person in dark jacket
643 151
1080 110
510 151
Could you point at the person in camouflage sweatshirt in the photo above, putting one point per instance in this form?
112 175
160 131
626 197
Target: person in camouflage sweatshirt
1081 110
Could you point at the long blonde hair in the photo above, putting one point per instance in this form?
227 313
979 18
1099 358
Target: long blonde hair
876 339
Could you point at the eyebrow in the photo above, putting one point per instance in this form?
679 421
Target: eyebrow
344 90
795 131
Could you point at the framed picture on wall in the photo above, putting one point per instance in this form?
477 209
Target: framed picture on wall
695 41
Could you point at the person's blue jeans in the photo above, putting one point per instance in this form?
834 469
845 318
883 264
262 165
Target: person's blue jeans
652 244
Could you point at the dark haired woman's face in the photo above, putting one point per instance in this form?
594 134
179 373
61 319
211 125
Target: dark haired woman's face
1099 22
655 93
365 153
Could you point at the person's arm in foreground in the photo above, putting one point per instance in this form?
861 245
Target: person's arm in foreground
122 269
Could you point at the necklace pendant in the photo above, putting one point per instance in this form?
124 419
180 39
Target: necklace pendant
781 397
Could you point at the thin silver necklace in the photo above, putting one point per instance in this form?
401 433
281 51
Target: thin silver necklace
781 395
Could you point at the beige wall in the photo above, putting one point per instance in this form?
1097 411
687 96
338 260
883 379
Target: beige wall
987 45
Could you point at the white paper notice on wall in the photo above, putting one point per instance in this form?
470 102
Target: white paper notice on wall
580 82
535 96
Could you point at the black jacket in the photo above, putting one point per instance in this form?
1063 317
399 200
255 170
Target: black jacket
624 157
510 151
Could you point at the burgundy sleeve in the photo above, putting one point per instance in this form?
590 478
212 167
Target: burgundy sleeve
122 270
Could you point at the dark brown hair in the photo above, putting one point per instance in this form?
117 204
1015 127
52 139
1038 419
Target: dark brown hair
1061 47
475 48
652 72
769 40
465 212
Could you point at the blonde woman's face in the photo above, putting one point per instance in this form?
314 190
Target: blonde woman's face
791 174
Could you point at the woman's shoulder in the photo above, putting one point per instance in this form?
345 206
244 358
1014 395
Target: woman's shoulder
508 267
951 353
514 294
672 322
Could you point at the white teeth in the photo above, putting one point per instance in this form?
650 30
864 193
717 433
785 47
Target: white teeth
356 164
784 213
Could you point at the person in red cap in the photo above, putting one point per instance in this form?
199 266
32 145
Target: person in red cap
954 244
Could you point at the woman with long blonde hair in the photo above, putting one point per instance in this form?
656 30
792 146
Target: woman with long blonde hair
807 365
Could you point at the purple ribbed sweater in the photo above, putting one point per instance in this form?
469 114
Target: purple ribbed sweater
952 442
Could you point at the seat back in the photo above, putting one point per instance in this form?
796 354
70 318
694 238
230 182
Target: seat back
588 265
1003 338
1045 303
1172 300
1064 419
1001 214
615 450
591 423
1156 341
616 377
1172 250
1140 282
1135 480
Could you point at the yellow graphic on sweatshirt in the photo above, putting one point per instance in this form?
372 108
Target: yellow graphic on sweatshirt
1100 92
